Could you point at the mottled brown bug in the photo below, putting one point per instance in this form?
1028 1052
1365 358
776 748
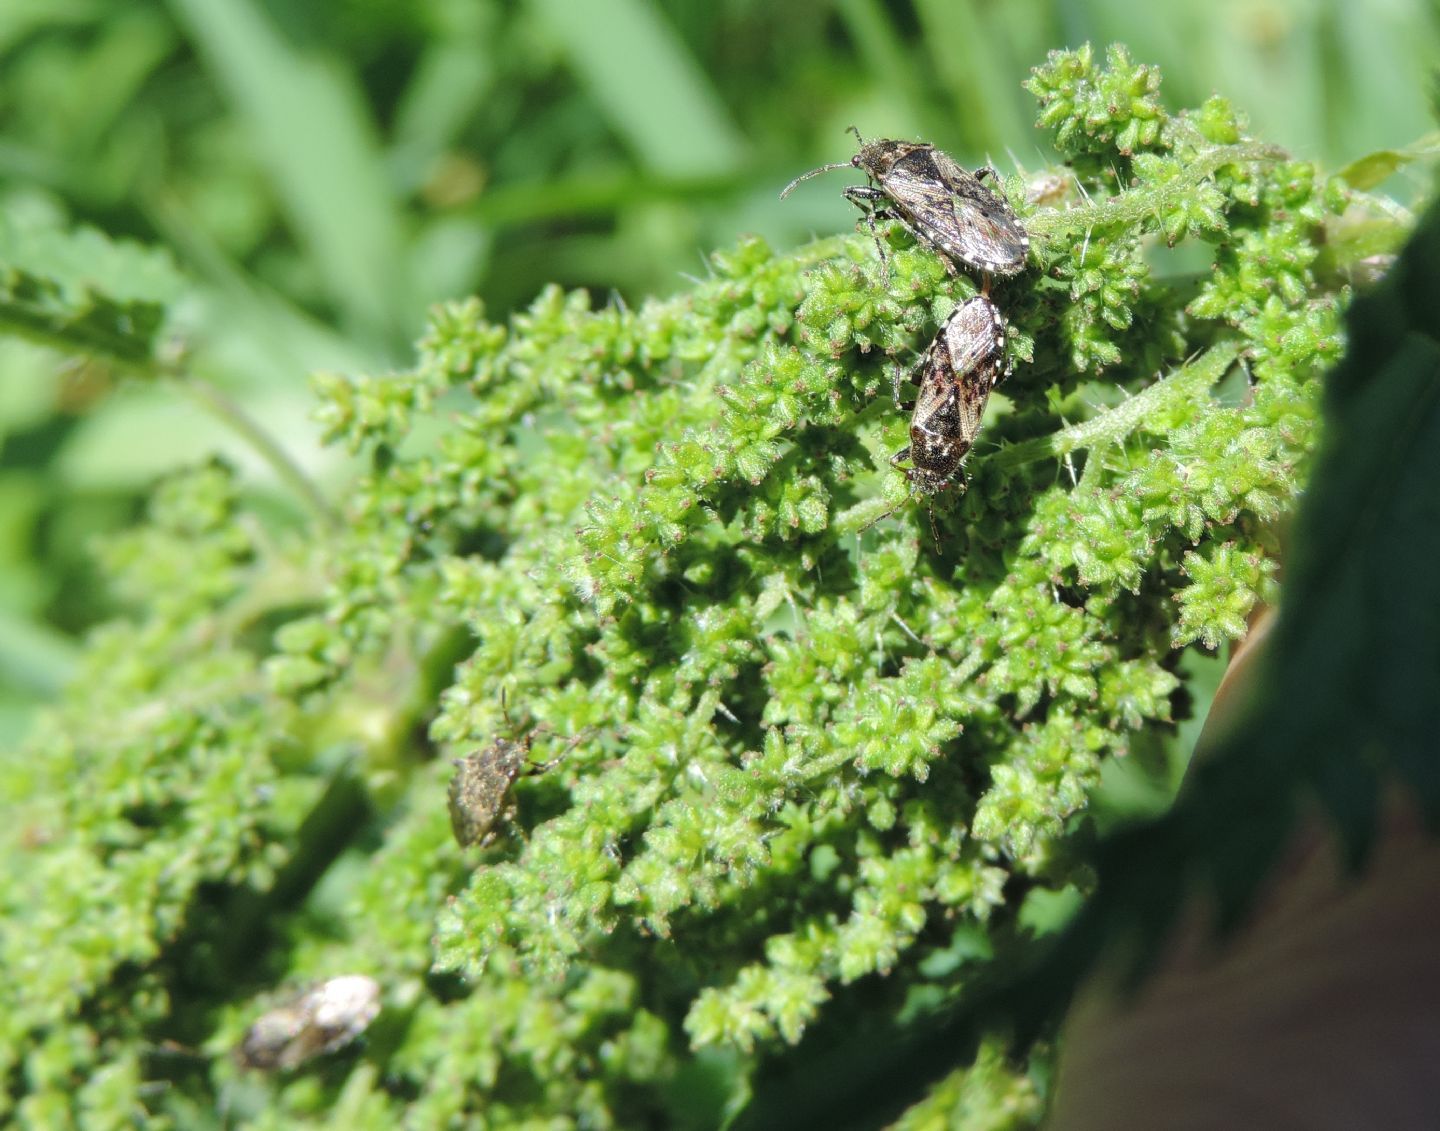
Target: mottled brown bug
954 378
939 202
480 790
317 1021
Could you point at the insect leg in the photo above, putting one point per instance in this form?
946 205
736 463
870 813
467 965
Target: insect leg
532 768
877 518
870 201
866 196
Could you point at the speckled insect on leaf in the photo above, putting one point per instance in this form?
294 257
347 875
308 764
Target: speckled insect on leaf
942 204
955 375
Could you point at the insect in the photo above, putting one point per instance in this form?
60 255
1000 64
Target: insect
480 790
940 203
953 379
319 1020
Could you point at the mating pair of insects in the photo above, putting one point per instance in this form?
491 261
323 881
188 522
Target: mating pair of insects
947 208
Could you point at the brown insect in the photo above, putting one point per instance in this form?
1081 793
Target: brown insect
317 1021
964 362
941 203
954 379
479 792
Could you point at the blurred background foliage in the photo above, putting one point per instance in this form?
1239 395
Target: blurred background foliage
320 173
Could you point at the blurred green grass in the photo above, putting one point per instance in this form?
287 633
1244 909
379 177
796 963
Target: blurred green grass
324 172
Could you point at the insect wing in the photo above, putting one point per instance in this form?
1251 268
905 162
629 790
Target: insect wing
970 348
953 211
341 1009
973 341
938 439
947 420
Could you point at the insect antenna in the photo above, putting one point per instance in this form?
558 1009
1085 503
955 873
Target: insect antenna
814 173
825 168
881 515
533 767
909 497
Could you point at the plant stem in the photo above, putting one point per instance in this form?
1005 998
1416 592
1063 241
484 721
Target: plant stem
1111 427
1131 208
286 469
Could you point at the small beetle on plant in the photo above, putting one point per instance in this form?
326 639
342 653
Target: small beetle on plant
940 203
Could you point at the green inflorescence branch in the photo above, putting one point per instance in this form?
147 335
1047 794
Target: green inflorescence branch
1134 209
1193 379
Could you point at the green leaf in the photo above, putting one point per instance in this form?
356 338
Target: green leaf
1350 704
1352 679
1368 171
33 655
802 743
79 292
308 120
655 95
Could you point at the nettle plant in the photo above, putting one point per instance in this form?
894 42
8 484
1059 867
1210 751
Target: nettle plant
825 757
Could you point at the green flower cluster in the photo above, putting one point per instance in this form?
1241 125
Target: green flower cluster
1100 112
819 753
